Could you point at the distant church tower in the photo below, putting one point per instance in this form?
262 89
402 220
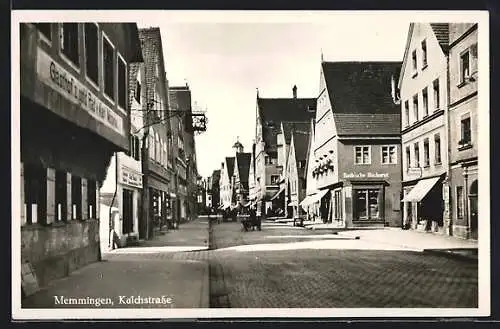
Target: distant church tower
238 147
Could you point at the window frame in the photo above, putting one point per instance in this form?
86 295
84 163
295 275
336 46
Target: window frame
75 66
95 84
408 156
437 150
414 62
427 153
389 146
42 36
406 106
415 108
369 161
463 142
462 79
425 101
425 61
460 204
436 91
115 62
119 57
416 154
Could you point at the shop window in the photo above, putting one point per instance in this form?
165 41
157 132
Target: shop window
91 198
415 108
122 83
61 196
108 68
435 86
460 202
76 197
69 42
425 102
424 54
275 179
465 131
362 155
389 155
45 30
407 114
91 52
366 204
437 149
426 153
408 157
338 205
416 151
465 66
35 193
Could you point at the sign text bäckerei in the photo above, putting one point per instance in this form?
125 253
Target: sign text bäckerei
55 76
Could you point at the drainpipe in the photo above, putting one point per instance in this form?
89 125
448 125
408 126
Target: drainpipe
110 240
446 184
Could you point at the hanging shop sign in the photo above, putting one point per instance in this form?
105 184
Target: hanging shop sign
59 79
128 177
365 175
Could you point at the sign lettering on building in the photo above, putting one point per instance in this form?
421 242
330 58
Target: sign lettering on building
365 175
131 178
59 79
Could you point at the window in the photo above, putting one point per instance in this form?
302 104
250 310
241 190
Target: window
437 149
69 42
35 193
424 53
414 60
362 155
76 197
425 101
460 202
464 66
91 52
408 157
415 108
426 153
45 30
407 114
61 196
337 205
389 155
91 198
416 151
122 83
435 85
275 179
108 68
366 204
137 94
465 131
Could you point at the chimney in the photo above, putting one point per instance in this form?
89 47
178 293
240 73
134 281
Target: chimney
294 90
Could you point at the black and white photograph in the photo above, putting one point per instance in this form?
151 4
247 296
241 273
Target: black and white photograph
228 164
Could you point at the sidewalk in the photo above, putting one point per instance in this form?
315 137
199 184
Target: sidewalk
416 240
148 281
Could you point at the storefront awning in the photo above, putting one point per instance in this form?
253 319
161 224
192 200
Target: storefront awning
282 189
419 191
310 199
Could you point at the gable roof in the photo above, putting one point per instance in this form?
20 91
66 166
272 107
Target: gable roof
273 111
215 177
243 160
442 33
361 87
230 166
379 124
290 127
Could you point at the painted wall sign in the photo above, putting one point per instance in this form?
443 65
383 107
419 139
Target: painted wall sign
131 178
413 173
366 175
56 77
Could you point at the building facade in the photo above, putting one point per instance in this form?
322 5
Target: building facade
241 174
424 127
227 197
270 112
73 83
357 145
463 129
157 161
214 189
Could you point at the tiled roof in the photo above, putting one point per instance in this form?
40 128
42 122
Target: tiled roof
442 32
132 77
289 127
367 124
273 111
243 160
230 166
361 87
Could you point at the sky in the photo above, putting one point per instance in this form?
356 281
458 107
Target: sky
225 59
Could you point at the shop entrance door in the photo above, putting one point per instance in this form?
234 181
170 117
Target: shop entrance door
473 209
128 211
